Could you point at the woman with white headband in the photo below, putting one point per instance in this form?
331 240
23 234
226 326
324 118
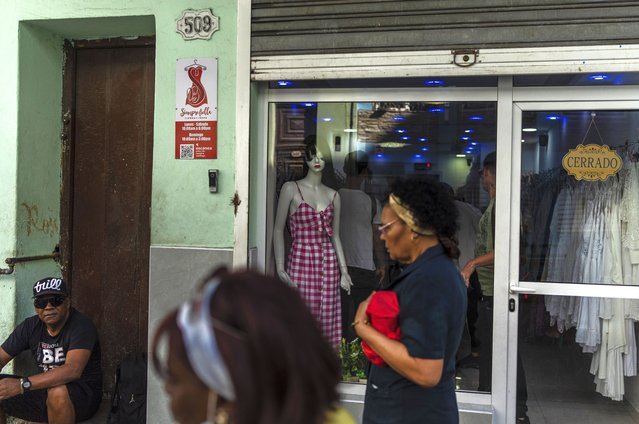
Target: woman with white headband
246 350
416 384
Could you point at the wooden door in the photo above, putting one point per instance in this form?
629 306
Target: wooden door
108 95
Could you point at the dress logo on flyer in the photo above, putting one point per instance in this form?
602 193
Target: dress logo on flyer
196 96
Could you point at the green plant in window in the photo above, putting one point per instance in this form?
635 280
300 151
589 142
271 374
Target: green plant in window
354 362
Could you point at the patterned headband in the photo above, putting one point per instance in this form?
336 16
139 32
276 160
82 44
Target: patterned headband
197 327
406 215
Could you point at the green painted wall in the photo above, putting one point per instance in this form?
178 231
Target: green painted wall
183 213
39 153
8 161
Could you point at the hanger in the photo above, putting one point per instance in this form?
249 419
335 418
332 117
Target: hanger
194 65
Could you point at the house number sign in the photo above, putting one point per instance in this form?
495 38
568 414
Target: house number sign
197 24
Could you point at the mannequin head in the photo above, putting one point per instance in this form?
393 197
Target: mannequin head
313 147
313 157
316 162
266 338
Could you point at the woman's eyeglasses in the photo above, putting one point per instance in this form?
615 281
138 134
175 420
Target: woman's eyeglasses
384 228
42 302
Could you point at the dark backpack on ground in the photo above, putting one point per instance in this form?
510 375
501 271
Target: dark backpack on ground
128 404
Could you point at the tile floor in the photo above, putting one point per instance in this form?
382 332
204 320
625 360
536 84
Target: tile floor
561 388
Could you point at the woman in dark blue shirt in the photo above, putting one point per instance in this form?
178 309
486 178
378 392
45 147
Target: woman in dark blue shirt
417 385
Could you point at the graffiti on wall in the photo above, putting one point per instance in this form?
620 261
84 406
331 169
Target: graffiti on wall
35 223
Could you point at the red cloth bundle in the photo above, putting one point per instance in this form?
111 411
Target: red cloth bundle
383 312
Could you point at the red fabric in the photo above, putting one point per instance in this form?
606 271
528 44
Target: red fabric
383 313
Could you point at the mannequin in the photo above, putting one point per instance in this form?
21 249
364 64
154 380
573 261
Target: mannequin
316 264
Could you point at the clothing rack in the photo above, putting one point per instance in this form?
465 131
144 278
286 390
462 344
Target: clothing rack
629 150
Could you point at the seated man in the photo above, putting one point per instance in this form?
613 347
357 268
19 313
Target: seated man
64 344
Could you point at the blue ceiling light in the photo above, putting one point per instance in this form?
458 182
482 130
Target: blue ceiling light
476 118
423 139
327 119
469 131
436 109
379 155
400 131
434 83
468 152
418 156
398 118
598 77
465 137
553 117
473 143
424 149
284 83
309 104
405 137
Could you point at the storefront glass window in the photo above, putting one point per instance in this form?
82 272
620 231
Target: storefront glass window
364 147
580 197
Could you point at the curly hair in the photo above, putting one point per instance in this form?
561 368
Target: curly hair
432 206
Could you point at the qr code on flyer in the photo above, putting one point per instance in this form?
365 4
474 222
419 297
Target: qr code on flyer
187 151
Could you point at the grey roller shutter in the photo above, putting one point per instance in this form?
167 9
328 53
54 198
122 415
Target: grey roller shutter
282 27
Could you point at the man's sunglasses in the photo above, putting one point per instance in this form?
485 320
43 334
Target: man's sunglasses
42 302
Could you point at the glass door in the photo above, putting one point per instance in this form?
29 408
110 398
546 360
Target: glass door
573 270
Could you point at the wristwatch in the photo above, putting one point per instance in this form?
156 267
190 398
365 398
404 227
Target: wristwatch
25 383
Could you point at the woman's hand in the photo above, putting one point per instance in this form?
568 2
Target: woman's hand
361 317
380 273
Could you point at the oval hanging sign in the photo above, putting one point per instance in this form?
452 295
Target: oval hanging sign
591 162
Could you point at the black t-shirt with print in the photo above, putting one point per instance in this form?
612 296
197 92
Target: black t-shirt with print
50 351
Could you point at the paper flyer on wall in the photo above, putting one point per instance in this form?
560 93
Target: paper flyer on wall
196 108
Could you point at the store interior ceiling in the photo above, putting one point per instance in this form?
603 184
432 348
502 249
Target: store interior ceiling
536 80
418 130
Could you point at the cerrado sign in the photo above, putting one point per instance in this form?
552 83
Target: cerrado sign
591 162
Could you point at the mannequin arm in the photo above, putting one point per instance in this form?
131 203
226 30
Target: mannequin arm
283 204
345 281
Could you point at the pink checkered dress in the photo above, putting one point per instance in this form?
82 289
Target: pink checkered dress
312 265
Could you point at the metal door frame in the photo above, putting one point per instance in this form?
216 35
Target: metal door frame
555 99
